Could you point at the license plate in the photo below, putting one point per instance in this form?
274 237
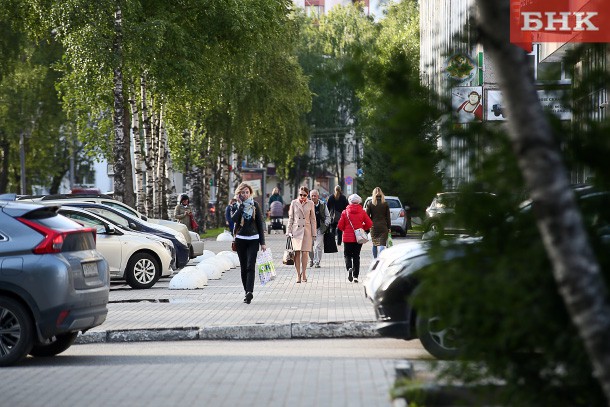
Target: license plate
90 269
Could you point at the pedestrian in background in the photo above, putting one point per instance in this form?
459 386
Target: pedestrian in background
322 224
275 196
354 217
249 232
301 229
183 212
379 212
336 205
229 214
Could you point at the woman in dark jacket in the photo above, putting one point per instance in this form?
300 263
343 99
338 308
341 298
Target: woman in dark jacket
249 232
379 212
336 205
352 218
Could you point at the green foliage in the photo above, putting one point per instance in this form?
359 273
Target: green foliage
502 295
398 114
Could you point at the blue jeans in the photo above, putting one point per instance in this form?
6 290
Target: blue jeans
375 251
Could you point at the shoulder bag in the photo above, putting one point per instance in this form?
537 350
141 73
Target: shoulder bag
360 234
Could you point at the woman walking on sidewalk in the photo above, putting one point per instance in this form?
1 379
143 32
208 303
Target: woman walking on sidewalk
336 205
249 232
379 212
353 217
302 229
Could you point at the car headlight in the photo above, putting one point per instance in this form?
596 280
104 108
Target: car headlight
181 239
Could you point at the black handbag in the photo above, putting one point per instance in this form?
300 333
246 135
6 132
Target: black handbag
288 258
330 246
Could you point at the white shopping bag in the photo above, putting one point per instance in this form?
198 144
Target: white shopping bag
265 266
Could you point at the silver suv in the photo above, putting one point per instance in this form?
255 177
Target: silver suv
53 282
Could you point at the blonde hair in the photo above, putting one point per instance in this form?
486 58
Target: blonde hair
377 192
337 192
275 191
241 187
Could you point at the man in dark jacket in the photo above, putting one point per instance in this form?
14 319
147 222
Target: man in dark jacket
322 224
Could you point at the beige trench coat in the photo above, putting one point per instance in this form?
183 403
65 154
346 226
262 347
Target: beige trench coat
302 224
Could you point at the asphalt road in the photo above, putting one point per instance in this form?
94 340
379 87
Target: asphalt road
324 372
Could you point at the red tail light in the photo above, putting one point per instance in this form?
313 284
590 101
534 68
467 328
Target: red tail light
53 239
402 213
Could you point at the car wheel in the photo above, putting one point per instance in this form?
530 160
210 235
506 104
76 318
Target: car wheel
191 252
435 227
16 331
54 345
402 233
437 338
143 271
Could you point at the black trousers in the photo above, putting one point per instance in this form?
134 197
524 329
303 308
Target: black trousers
351 254
336 231
246 251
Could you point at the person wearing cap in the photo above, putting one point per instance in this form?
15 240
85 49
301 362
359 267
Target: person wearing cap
183 211
353 217
249 233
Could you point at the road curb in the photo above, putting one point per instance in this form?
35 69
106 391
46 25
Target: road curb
350 329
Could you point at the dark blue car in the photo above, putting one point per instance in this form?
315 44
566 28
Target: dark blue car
131 222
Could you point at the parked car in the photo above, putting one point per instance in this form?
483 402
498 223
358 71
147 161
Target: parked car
53 282
197 245
108 200
441 218
138 258
398 213
130 222
392 280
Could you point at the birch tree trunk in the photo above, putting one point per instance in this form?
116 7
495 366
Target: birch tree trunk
148 158
162 179
119 111
575 267
155 161
196 182
137 152
128 195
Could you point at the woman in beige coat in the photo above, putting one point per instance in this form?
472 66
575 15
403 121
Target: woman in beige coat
302 229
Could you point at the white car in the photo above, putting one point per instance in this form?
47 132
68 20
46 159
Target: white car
107 200
197 245
397 213
139 258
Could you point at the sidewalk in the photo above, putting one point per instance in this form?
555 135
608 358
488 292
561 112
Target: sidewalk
327 306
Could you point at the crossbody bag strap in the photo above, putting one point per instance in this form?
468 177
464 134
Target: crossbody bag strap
350 221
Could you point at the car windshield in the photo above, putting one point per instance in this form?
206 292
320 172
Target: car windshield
393 203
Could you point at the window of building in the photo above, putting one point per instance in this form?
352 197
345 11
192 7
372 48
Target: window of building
314 11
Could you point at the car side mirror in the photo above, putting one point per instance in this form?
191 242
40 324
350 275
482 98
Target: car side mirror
144 218
110 229
133 226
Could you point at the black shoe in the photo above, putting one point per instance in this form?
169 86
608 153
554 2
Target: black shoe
355 280
349 277
248 298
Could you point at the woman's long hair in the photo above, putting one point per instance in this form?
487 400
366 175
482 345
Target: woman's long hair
337 193
377 193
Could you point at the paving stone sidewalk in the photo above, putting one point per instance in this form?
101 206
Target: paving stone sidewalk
326 306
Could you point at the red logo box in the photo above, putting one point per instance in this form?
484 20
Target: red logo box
559 21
